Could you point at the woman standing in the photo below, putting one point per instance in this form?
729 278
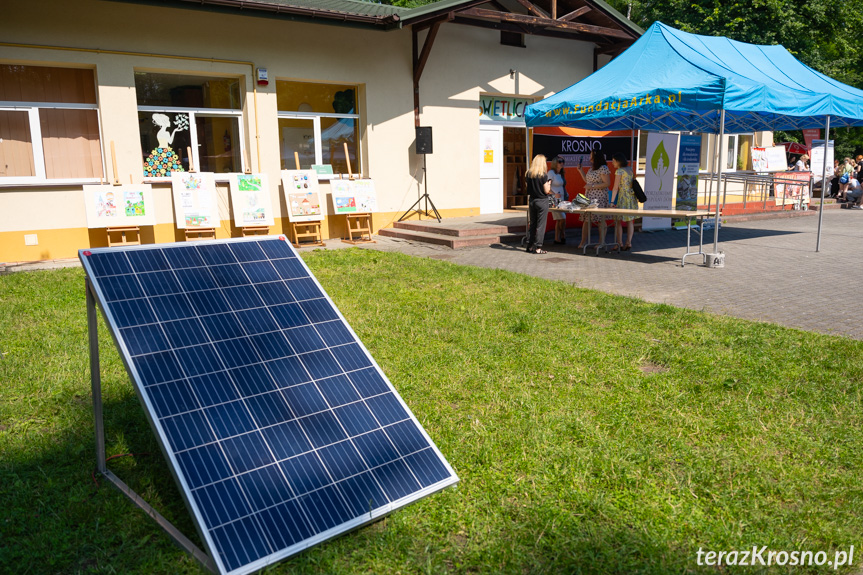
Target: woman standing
538 191
596 188
558 190
623 197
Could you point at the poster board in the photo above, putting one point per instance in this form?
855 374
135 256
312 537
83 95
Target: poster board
688 165
354 196
367 198
119 206
816 159
344 198
250 200
791 187
196 200
303 196
770 159
659 180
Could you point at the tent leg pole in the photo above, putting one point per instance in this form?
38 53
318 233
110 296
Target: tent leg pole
823 183
718 180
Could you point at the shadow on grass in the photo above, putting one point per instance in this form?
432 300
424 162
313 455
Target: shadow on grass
57 520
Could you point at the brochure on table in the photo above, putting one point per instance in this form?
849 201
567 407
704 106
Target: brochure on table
354 196
250 199
303 196
119 206
196 200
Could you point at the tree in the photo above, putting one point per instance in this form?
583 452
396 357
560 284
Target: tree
823 34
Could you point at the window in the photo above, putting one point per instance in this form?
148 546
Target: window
744 151
706 161
642 151
739 152
185 119
49 125
515 39
315 123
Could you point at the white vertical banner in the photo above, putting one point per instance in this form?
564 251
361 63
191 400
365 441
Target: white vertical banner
816 160
659 180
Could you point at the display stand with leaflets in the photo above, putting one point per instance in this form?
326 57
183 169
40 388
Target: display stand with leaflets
305 208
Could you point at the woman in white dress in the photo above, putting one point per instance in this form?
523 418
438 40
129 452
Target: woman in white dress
596 189
558 191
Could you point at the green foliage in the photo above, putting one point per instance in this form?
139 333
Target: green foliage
823 34
592 433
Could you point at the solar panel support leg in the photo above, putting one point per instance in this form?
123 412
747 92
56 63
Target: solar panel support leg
181 540
95 377
96 383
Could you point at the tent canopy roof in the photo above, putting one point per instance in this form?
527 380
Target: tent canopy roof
673 80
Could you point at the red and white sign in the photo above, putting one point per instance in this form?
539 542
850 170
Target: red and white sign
809 135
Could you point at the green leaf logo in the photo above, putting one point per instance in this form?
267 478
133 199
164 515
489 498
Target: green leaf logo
659 162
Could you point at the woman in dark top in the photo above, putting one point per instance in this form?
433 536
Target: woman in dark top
538 192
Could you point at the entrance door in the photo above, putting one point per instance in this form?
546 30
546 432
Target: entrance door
491 169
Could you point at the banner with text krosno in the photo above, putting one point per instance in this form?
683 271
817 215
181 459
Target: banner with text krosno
659 170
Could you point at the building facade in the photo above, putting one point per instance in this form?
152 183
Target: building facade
90 92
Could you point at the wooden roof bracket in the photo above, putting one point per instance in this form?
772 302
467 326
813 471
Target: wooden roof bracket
420 57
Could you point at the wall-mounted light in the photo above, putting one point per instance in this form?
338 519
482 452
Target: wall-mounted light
512 73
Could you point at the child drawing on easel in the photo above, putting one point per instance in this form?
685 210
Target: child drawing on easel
163 160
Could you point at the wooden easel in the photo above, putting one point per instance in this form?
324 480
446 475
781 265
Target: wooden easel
135 231
303 230
196 234
124 240
359 224
362 229
255 230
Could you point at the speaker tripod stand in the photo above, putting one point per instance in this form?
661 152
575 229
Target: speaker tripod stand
417 206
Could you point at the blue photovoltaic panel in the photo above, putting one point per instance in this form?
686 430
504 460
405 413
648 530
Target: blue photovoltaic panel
281 429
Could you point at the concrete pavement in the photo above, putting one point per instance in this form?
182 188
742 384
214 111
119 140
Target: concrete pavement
772 272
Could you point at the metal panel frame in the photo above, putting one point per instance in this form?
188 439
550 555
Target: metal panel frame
101 466
210 560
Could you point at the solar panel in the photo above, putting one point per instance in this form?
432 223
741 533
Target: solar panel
280 428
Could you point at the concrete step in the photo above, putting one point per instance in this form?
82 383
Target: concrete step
461 231
451 241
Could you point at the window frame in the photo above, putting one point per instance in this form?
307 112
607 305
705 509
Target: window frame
731 166
316 125
193 135
41 177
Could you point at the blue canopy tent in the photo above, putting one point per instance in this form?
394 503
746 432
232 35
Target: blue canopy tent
675 81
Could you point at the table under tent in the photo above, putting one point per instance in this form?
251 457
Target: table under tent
671 80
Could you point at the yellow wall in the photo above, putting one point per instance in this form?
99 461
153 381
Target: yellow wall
464 62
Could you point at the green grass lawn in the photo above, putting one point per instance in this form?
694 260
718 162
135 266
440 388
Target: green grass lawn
592 433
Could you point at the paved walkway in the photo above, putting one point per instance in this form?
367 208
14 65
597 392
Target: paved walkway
772 272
